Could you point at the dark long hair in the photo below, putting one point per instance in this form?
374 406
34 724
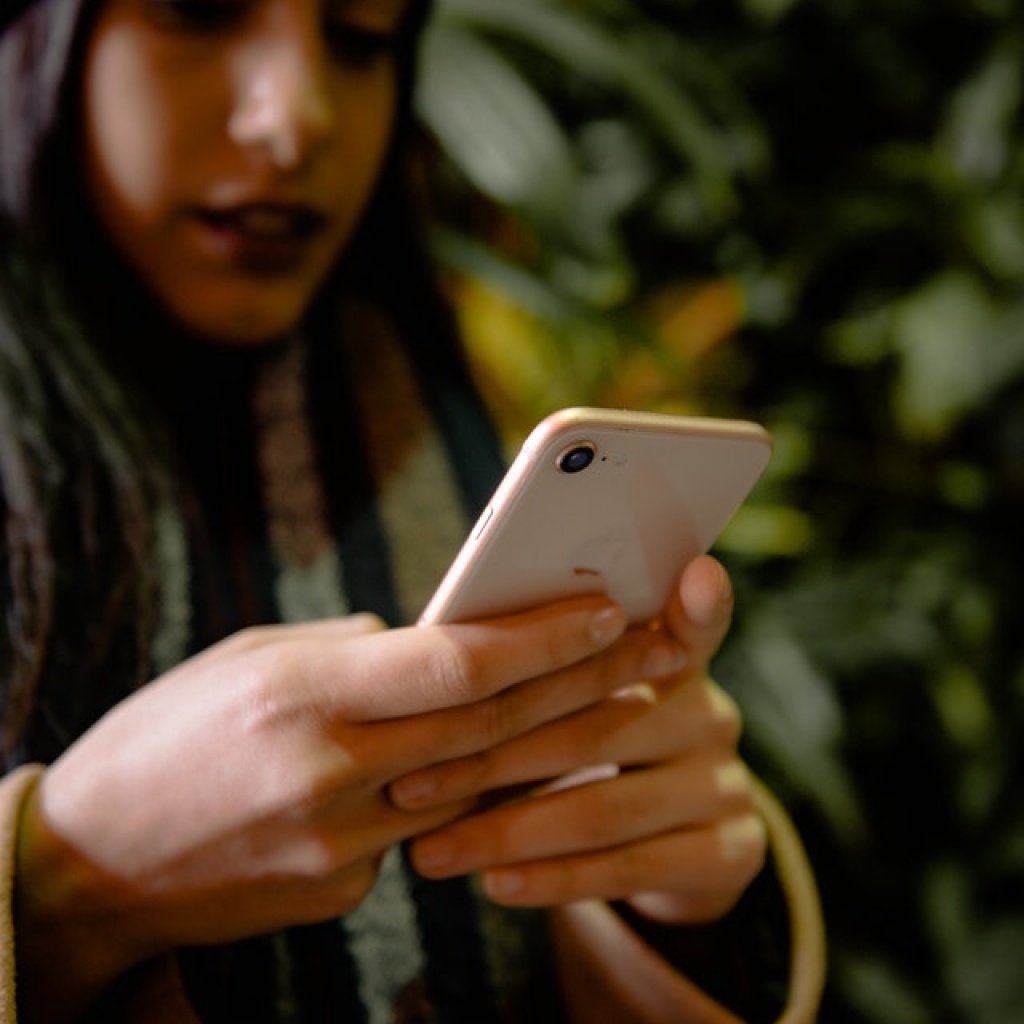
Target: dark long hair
85 491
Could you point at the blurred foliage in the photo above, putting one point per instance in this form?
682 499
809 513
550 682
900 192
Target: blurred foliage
810 213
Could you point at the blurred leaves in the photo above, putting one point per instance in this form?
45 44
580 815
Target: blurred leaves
572 183
811 213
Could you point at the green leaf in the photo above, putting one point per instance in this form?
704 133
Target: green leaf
981 123
986 979
493 123
881 993
576 42
791 709
957 348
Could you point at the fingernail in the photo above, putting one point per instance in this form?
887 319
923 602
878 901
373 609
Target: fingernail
503 884
579 777
607 625
638 691
412 791
732 779
706 605
436 852
739 836
664 660
723 707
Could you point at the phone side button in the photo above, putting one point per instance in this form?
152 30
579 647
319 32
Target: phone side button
482 522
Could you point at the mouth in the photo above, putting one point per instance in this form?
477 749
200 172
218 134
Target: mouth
262 237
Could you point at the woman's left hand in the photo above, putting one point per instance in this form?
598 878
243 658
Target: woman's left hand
651 801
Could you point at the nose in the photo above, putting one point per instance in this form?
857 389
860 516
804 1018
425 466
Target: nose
283 102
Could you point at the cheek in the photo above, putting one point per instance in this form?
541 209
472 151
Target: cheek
128 121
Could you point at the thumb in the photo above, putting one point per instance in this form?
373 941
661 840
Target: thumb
700 610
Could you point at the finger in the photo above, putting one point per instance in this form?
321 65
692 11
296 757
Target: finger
344 835
704 870
602 815
458 744
426 668
640 725
700 610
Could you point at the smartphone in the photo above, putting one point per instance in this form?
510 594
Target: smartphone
602 501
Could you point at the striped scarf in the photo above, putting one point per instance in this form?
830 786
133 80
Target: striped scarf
362 472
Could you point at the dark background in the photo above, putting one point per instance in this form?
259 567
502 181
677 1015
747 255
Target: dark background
810 213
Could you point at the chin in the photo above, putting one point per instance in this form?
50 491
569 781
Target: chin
248 327
252 339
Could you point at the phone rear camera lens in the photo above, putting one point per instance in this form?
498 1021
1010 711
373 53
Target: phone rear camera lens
576 458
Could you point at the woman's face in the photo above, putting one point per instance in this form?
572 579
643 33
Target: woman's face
232 145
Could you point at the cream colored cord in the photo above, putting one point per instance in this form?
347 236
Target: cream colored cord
807 956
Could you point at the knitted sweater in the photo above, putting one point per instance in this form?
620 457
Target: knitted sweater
337 481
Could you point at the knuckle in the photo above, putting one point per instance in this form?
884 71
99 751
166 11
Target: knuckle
268 701
458 666
369 622
263 705
250 637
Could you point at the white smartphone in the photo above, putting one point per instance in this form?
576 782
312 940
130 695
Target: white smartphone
602 501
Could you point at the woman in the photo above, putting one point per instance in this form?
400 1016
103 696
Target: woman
233 399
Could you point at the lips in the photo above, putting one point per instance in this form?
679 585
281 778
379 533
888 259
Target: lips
262 237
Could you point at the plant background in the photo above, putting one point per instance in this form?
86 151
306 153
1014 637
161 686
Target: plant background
809 213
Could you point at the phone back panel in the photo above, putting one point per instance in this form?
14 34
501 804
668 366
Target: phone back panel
656 492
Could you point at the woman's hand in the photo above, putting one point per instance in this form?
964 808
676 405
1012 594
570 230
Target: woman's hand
244 791
666 818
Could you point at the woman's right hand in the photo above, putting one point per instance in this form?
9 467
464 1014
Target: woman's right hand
243 791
